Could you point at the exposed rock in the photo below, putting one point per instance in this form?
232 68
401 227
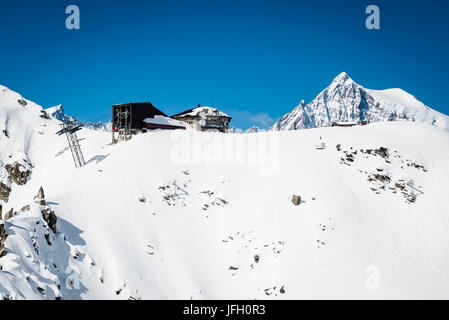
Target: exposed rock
400 186
380 177
50 218
40 197
4 192
411 198
282 290
9 214
3 234
208 192
338 146
383 152
3 237
44 115
296 200
141 199
47 238
26 208
22 102
1 210
16 174
219 202
256 258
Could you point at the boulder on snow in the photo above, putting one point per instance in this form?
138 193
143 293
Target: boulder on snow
40 198
296 200
9 214
50 218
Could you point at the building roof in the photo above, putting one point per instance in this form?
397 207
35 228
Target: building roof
165 121
194 111
147 105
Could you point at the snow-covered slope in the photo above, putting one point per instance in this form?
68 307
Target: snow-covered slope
345 100
183 214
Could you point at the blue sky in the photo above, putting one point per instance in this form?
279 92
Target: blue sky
254 59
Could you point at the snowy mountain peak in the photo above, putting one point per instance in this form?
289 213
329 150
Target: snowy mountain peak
57 112
341 78
253 129
344 100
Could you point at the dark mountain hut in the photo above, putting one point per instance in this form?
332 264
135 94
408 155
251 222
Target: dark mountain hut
127 118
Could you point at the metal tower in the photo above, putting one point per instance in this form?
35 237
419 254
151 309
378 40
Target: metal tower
70 129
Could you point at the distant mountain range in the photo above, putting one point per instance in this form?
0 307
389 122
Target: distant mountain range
344 100
58 113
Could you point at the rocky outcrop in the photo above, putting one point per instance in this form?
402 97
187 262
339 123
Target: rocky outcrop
48 214
22 102
3 237
51 219
40 197
9 214
44 115
17 173
4 192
